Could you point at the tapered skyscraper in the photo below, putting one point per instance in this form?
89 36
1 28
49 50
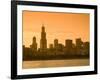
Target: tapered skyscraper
43 41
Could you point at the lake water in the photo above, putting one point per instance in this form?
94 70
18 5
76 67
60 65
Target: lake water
55 63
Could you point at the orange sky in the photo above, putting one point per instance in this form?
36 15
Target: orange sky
57 25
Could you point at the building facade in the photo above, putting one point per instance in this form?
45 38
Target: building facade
43 40
34 44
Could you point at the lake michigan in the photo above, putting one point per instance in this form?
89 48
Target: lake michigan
55 63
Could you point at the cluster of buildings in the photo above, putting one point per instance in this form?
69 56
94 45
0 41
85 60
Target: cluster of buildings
80 48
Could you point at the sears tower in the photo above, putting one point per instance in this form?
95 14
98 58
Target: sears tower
43 41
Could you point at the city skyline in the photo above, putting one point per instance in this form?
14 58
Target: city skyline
56 50
43 41
58 31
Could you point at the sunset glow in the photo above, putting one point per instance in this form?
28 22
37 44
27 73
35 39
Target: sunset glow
58 25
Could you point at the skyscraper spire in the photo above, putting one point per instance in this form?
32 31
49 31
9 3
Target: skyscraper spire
43 28
42 24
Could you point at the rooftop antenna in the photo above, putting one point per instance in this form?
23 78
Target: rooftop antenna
42 24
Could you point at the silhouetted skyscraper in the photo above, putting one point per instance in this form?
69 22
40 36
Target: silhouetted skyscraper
68 43
56 43
60 47
34 44
79 42
43 41
51 46
68 46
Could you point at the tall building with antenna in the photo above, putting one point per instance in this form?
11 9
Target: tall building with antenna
43 40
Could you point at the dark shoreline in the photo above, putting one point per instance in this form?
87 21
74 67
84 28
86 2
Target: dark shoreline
56 58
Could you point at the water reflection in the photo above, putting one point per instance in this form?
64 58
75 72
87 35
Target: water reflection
55 63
